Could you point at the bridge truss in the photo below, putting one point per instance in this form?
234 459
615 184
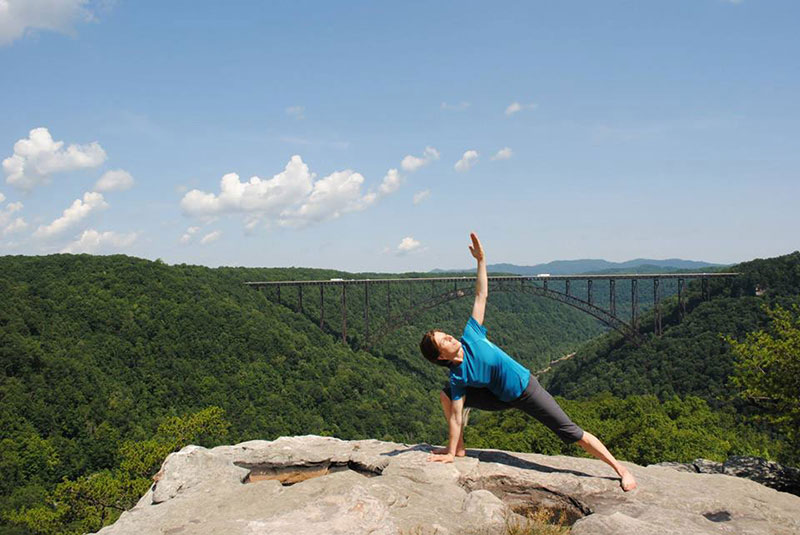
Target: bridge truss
445 289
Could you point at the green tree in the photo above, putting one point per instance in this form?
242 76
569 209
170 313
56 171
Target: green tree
92 501
767 372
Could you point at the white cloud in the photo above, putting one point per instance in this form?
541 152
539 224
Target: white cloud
78 210
8 224
390 182
38 157
332 196
251 224
187 236
18 17
210 237
407 245
461 106
412 163
114 180
515 107
291 198
268 196
17 225
421 196
298 112
467 161
92 241
2 197
503 154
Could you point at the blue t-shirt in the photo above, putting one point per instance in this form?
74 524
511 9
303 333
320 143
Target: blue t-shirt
486 366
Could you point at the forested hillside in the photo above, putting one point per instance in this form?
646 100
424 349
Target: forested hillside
98 351
692 356
109 363
673 397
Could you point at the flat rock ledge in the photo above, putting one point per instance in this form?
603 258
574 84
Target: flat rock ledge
314 485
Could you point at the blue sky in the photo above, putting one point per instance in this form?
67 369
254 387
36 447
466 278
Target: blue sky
597 129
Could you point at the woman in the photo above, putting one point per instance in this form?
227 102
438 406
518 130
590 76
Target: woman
483 376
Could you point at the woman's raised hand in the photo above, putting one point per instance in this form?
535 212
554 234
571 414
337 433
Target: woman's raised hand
476 248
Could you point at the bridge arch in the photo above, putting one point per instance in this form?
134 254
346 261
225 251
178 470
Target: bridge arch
499 284
397 321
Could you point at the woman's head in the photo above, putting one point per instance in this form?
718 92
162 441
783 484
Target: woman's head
439 347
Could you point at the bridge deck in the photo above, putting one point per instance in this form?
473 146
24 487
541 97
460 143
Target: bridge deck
616 276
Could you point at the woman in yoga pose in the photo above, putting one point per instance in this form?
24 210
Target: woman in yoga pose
483 376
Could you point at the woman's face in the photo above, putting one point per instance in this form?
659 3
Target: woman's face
448 346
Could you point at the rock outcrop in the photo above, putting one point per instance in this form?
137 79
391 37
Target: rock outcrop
315 485
769 473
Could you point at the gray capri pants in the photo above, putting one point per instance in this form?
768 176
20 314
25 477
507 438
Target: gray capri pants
535 401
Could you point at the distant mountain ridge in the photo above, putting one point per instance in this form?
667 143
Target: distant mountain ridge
573 267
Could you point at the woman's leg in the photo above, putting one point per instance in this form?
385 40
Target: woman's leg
537 402
594 447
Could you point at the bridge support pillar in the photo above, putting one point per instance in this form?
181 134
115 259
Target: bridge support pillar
366 312
657 305
300 297
321 306
634 304
589 290
612 296
344 313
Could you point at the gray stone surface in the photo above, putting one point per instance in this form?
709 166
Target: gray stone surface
368 486
769 473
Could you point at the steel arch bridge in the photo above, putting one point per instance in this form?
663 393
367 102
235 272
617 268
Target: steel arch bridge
446 289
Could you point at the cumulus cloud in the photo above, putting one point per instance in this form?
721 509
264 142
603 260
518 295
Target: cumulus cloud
461 106
8 223
187 236
18 17
421 196
38 157
114 180
467 161
210 237
16 225
91 241
78 210
412 163
332 196
390 182
503 154
298 112
2 197
267 196
407 245
515 107
291 198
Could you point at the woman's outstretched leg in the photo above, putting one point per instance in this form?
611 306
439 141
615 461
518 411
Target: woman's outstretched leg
594 447
537 402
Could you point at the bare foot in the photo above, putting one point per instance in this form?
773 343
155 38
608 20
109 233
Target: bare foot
442 451
628 483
